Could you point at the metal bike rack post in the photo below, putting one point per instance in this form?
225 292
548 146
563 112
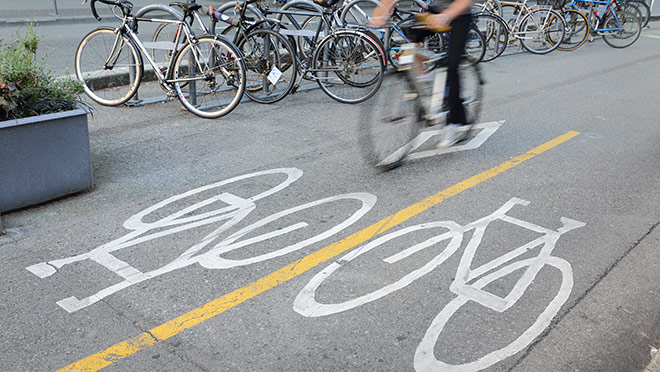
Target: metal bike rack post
141 13
56 13
192 86
2 230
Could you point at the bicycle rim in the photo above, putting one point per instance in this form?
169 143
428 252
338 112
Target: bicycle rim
349 66
541 31
270 64
495 34
625 32
111 84
215 77
389 122
471 91
577 30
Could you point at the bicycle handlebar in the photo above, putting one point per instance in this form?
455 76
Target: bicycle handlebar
126 6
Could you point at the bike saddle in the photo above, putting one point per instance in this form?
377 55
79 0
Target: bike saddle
187 7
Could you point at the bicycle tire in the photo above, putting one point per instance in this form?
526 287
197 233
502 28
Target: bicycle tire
628 35
644 11
548 38
222 77
262 60
490 6
165 33
348 65
475 45
108 86
495 33
577 30
390 121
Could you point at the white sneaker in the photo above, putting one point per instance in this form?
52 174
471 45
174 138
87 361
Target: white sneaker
451 135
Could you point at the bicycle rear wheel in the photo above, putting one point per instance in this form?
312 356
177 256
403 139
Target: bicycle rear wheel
109 66
270 63
542 31
577 30
215 76
390 121
348 66
625 27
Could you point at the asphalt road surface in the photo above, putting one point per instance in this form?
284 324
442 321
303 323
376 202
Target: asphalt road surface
262 241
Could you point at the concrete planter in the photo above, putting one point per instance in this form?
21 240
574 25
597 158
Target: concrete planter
43 157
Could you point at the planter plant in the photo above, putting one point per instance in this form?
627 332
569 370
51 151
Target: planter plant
44 140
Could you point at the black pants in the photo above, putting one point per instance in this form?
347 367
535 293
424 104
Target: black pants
457 40
458 37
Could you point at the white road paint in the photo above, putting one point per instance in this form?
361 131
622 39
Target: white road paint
485 130
233 210
468 284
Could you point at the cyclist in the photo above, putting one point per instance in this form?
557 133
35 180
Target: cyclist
444 14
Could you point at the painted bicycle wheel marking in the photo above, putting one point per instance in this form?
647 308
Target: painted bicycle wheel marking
235 211
468 283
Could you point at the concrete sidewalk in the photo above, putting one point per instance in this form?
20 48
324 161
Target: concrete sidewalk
59 11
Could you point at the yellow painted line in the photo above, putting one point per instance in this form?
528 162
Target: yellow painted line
175 326
653 36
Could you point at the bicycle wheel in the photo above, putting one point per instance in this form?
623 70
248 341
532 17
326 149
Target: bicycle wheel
475 45
488 6
348 66
270 65
471 91
394 40
390 121
541 30
215 74
165 34
109 66
625 27
577 30
643 9
495 33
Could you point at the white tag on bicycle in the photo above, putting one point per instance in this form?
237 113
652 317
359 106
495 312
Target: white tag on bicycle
274 75
407 54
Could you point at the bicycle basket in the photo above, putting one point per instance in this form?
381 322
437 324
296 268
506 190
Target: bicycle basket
326 3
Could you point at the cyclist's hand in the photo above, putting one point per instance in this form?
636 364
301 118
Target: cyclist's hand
438 21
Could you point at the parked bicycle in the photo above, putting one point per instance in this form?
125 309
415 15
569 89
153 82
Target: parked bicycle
347 64
109 63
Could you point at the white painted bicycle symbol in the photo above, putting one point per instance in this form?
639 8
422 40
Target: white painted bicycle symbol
468 285
234 209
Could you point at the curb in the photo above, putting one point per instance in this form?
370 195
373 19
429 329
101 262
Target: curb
50 21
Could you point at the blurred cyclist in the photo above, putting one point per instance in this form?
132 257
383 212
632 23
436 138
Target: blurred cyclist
444 14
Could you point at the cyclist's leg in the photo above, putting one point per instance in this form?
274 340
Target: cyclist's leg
459 31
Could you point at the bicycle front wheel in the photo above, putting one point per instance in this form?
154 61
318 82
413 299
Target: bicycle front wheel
213 72
541 31
577 30
109 66
625 29
390 121
349 66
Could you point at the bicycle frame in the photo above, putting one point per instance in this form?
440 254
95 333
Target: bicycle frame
524 10
599 19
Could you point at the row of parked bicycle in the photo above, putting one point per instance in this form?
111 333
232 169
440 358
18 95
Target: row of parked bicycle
265 50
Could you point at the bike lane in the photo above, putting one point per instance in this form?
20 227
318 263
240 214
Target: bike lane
255 334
